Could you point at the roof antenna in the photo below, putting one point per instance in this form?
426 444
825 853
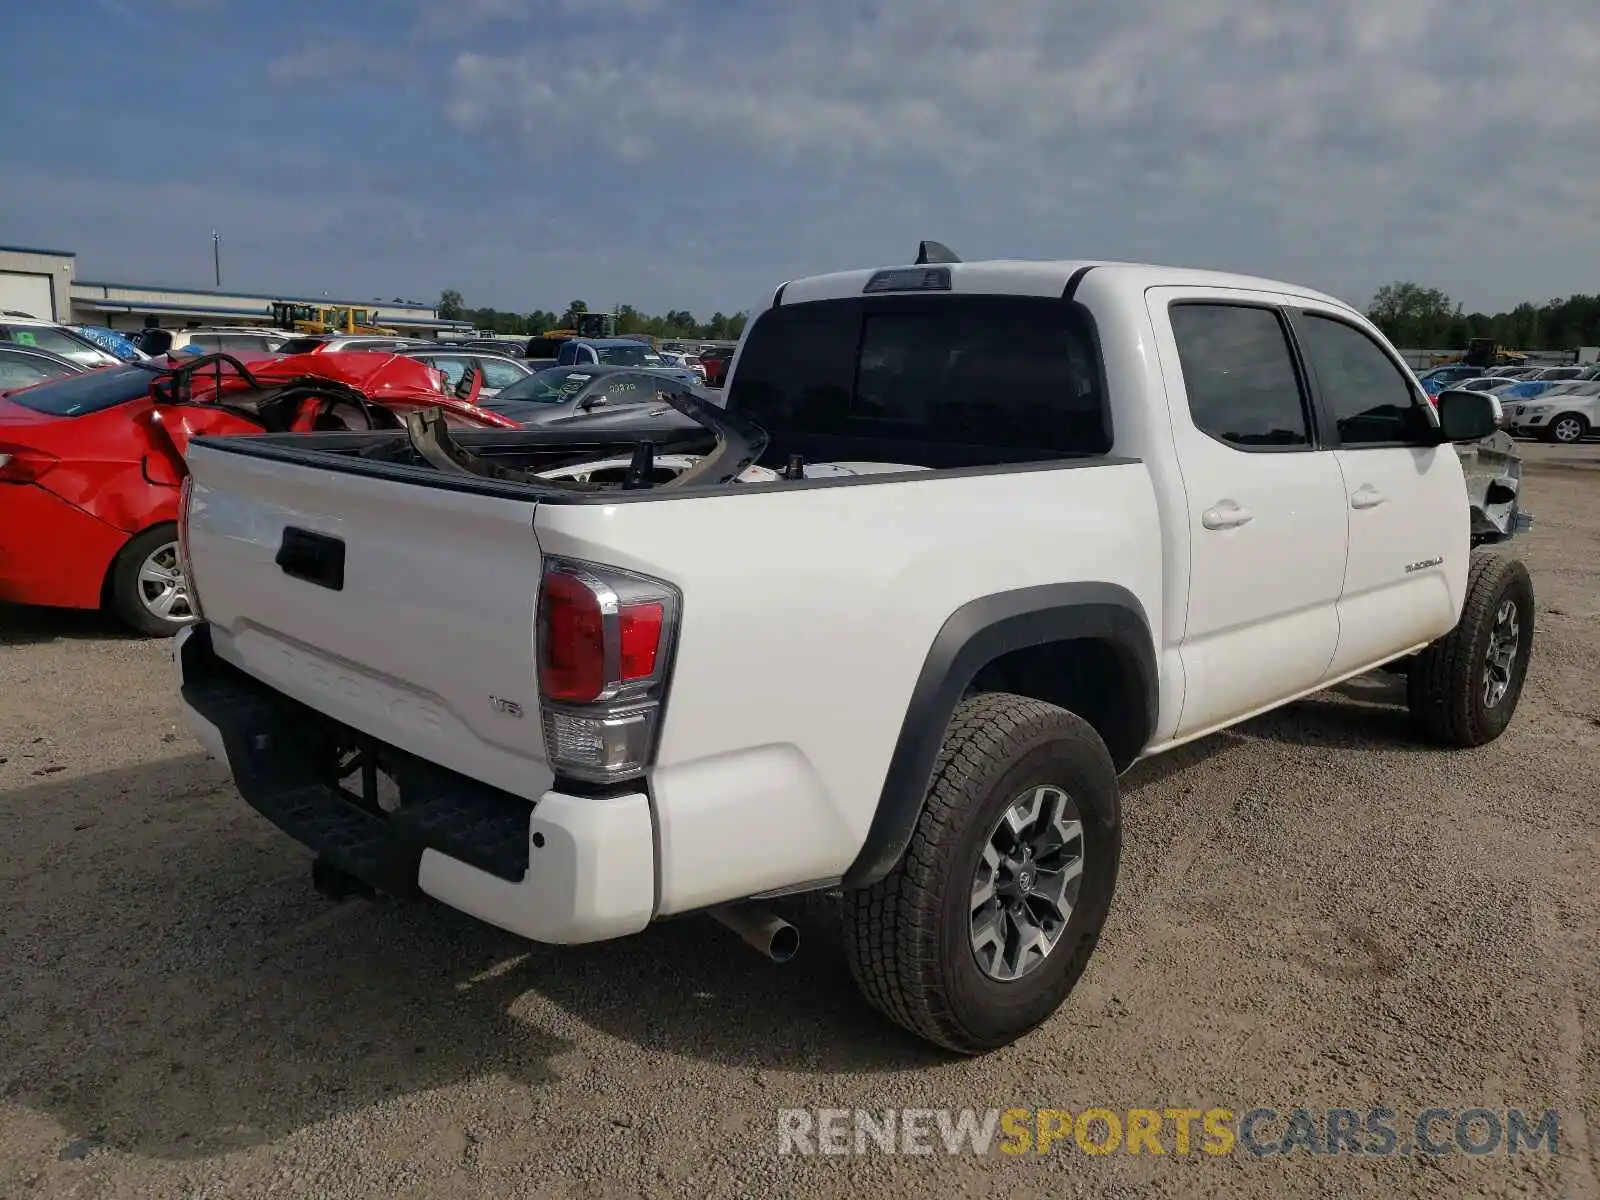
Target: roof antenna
935 252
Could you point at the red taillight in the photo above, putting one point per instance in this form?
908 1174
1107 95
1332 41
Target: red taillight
604 644
572 644
573 614
20 464
639 626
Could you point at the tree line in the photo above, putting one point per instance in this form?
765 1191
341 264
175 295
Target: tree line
1424 318
679 323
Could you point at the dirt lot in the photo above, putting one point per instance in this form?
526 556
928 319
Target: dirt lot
1314 912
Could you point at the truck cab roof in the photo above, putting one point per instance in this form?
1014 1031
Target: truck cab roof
1023 277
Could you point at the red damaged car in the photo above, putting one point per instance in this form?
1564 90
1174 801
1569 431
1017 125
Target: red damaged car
91 466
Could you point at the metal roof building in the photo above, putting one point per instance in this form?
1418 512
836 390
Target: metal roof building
43 283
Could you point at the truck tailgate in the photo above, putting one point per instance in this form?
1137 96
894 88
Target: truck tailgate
404 612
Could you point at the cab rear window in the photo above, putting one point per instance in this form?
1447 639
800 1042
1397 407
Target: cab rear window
935 381
81 395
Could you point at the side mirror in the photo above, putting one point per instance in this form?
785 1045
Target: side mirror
1466 416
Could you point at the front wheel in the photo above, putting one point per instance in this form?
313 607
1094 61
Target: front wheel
147 590
1463 689
982 929
1568 429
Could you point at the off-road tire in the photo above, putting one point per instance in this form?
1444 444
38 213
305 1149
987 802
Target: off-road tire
122 584
1445 687
908 937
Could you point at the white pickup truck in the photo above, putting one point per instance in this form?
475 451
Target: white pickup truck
964 541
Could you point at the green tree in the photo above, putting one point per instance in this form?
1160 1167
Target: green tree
1412 315
570 317
451 305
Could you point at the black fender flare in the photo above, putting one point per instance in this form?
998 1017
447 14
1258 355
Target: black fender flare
974 635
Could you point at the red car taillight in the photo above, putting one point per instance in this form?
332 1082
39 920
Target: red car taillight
21 464
185 563
605 641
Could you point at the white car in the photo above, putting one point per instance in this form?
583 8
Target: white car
966 542
685 362
1491 385
1566 413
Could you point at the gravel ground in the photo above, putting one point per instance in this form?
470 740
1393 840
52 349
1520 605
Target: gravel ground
1314 911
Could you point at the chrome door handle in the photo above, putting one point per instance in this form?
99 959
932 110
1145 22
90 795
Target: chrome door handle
1226 514
1366 496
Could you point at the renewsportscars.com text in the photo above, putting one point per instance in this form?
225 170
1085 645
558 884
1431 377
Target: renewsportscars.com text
1256 1132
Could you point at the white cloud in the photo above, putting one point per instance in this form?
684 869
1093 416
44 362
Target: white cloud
1364 139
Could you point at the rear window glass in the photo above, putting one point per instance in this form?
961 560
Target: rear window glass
300 345
84 394
940 378
638 355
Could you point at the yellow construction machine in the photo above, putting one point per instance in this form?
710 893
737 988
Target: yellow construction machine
325 318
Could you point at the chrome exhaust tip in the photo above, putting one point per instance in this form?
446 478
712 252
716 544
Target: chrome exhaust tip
760 928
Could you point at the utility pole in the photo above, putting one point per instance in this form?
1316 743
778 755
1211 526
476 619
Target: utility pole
216 256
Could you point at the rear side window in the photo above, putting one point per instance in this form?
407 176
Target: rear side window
300 345
454 368
58 341
499 374
945 381
248 343
18 370
1240 377
81 395
231 343
1370 400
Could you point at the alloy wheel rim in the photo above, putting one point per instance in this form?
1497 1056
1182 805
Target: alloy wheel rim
1026 883
162 588
1505 639
1568 431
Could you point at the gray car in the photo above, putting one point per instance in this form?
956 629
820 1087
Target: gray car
32 334
22 366
598 395
499 371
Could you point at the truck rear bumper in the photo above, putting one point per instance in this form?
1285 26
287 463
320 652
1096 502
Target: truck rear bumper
564 869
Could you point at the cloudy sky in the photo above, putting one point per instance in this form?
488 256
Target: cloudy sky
695 153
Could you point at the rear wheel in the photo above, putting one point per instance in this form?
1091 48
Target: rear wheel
984 926
1463 689
1567 429
147 590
